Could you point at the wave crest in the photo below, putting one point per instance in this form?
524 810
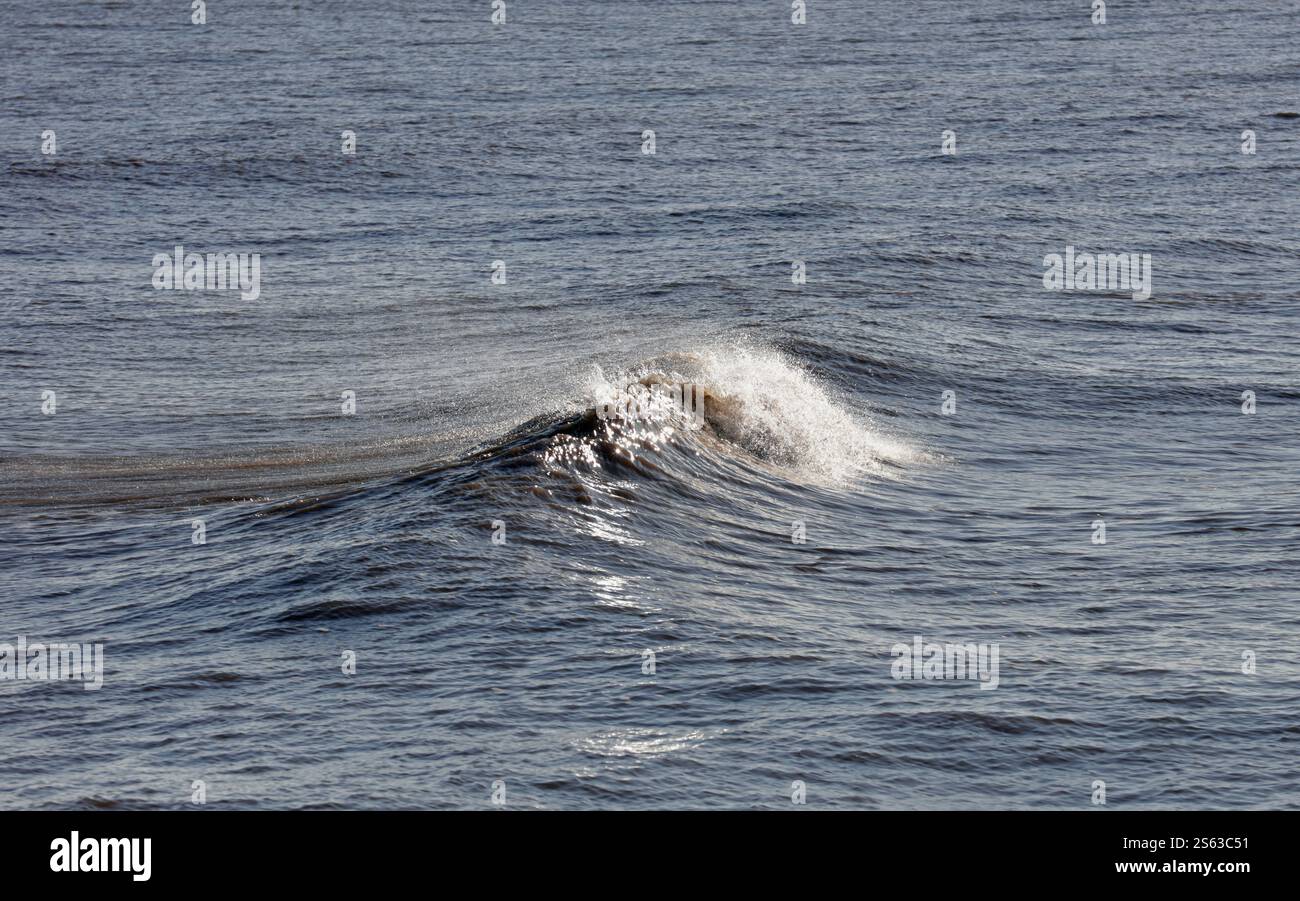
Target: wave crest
757 399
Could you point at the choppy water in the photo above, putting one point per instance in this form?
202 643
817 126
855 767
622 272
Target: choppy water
523 661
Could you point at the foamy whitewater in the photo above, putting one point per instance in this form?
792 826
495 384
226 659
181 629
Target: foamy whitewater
371 539
760 404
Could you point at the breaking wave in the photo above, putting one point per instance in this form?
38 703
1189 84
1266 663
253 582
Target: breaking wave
754 408
756 399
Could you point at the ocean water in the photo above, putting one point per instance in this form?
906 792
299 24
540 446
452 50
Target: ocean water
499 556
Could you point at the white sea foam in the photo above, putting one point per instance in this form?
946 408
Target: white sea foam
760 400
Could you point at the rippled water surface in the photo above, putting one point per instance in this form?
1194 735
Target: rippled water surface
499 556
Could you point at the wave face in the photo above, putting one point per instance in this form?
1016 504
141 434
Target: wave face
525 508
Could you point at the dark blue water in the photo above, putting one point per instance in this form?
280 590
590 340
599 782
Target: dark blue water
476 403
